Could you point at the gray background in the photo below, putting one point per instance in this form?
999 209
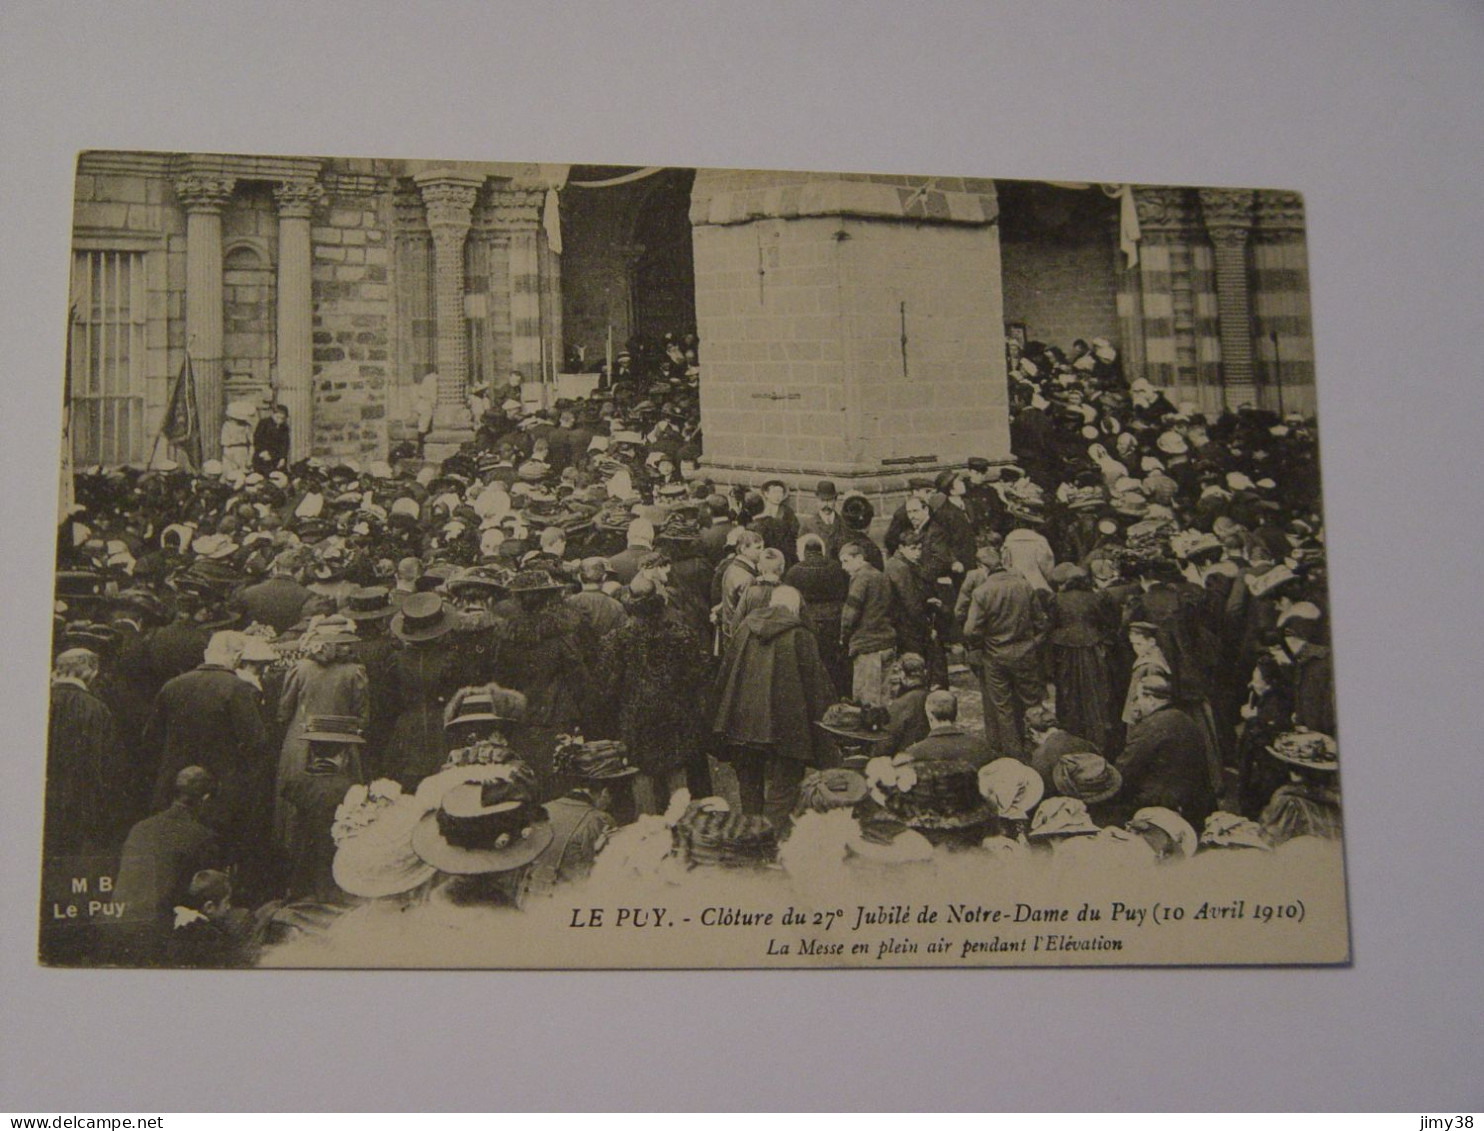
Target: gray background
1374 110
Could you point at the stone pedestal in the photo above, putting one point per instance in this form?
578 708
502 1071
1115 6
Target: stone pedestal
851 327
296 203
203 199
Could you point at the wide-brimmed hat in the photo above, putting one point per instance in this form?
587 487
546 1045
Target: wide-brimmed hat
855 721
1087 775
423 616
597 760
1011 788
370 603
535 581
1229 830
824 790
943 798
372 832
723 839
334 728
1308 749
244 411
883 839
1177 828
484 578
1062 816
142 601
489 823
497 705
92 635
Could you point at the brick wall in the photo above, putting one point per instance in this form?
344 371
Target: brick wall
352 325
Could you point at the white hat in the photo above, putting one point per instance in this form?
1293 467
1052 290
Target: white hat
1300 610
242 410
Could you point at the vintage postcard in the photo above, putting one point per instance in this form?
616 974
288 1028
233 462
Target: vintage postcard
482 564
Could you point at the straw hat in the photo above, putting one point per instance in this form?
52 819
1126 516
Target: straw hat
423 616
372 832
485 823
1062 816
1011 787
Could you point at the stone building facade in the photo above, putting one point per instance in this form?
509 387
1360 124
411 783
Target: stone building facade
850 325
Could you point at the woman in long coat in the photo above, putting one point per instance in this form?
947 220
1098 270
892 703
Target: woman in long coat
326 681
654 674
771 690
824 584
1084 624
542 652
424 674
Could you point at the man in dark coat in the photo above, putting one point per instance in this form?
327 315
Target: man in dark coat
160 855
270 440
209 717
278 602
771 690
915 604
714 536
1002 630
945 738
907 720
81 769
1164 761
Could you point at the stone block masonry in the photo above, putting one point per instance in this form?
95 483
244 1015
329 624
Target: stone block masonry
352 326
852 328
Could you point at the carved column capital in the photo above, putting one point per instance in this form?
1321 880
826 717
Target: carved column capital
1162 208
297 200
203 194
449 202
1280 215
516 209
1228 215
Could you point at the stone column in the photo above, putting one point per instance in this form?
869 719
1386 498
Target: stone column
849 329
517 213
1228 217
203 199
1162 221
296 204
448 198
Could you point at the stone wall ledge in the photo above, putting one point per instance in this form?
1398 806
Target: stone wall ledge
844 198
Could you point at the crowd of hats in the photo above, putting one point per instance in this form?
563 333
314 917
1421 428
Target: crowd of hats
586 466
1159 479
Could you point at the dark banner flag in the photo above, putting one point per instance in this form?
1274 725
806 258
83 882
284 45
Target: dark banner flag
182 423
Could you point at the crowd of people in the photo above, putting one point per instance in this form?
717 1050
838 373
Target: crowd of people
280 690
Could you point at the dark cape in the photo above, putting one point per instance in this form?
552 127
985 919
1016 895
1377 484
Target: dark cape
772 689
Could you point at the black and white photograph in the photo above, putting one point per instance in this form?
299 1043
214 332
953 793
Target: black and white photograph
486 564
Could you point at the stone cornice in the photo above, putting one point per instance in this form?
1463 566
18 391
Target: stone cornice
923 204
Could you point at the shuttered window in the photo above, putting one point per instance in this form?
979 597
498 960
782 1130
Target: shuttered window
106 382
